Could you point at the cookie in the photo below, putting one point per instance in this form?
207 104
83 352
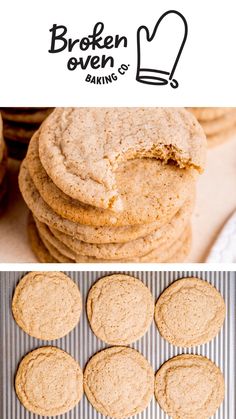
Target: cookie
49 382
86 233
45 234
81 148
159 254
25 116
222 136
120 309
47 253
37 246
69 209
45 214
189 312
154 192
17 132
220 124
189 387
209 114
119 382
135 248
46 305
43 250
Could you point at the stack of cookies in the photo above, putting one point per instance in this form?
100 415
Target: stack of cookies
113 184
19 126
3 169
219 124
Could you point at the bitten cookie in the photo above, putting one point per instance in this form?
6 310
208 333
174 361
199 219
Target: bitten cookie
47 305
189 312
119 382
49 381
81 148
189 387
120 309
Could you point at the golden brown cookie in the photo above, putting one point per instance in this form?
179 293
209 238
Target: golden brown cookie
222 136
81 149
47 253
209 114
120 309
221 124
189 312
36 244
46 305
86 233
49 381
189 387
135 248
155 192
160 254
119 382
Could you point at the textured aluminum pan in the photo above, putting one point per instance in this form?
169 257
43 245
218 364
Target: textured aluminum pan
82 344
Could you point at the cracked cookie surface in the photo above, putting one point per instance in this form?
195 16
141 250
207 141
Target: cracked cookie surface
47 305
119 382
120 309
82 148
189 387
49 381
189 312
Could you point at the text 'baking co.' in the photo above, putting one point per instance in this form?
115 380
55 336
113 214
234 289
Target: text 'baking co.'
158 53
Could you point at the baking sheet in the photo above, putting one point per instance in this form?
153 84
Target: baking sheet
81 343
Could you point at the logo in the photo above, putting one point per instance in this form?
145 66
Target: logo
98 56
167 42
93 49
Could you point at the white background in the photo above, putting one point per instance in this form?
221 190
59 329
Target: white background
30 76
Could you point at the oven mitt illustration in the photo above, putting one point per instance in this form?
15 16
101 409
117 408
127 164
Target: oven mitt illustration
159 52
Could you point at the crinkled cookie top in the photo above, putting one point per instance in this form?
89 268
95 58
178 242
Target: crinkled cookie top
81 148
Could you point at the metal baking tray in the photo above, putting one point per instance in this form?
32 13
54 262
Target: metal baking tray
81 343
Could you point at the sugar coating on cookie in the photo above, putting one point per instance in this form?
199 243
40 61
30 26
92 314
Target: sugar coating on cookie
47 305
154 192
49 381
189 387
189 312
119 382
120 309
81 148
135 248
46 252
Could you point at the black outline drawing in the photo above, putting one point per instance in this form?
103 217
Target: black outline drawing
154 79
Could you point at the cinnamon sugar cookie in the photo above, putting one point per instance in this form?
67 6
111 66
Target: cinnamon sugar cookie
189 312
189 387
46 305
49 381
120 309
119 382
81 148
